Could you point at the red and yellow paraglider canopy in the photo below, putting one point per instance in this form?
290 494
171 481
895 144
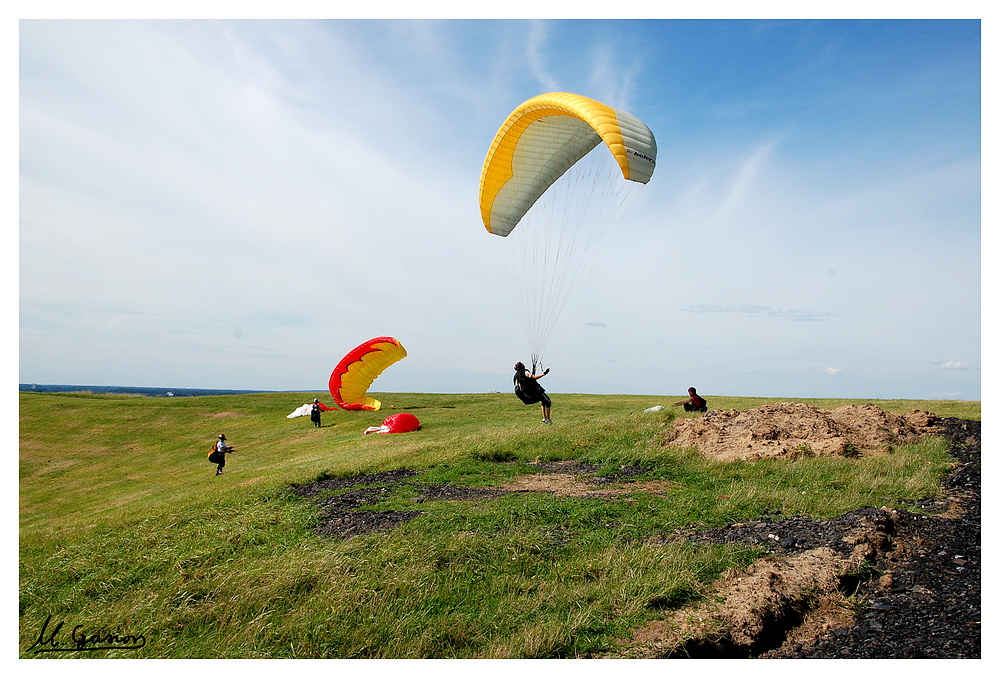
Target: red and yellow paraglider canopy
355 373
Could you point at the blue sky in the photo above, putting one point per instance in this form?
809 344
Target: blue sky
237 204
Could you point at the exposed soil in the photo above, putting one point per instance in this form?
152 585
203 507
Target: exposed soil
340 515
572 479
871 583
456 493
913 580
792 429
326 485
569 485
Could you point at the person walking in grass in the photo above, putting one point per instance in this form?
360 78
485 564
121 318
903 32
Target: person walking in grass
218 455
695 403
527 388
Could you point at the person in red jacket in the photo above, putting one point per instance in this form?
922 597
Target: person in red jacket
695 403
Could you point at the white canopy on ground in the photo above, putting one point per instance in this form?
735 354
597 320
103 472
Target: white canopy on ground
301 411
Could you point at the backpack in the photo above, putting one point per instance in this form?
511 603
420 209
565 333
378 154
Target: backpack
215 456
527 390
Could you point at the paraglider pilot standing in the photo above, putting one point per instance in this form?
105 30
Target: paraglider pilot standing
314 413
527 388
218 455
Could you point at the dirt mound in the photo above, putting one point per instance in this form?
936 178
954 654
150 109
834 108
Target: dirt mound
746 608
794 429
874 583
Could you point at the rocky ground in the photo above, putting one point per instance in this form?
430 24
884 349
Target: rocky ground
928 602
915 576
871 583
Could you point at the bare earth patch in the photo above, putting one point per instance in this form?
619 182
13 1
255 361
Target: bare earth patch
571 478
745 607
792 429
775 601
570 485
341 499
345 525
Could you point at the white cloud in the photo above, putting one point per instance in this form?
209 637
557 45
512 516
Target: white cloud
232 204
832 370
537 32
741 187
801 315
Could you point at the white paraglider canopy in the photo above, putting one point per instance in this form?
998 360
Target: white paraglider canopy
301 411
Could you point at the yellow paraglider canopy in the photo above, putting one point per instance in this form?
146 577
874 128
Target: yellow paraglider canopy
542 139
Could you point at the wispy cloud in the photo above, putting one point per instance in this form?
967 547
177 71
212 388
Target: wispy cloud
743 182
597 324
536 41
832 371
612 78
955 365
799 315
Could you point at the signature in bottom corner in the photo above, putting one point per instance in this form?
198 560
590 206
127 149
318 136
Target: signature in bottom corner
81 641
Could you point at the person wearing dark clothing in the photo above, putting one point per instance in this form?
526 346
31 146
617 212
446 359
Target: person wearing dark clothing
527 388
314 413
219 455
695 403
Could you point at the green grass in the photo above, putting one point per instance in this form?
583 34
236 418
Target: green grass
124 526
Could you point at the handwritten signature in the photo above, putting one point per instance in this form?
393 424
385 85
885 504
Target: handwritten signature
82 641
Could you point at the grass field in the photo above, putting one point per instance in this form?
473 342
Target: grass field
125 529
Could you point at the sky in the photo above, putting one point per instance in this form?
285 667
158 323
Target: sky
238 204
